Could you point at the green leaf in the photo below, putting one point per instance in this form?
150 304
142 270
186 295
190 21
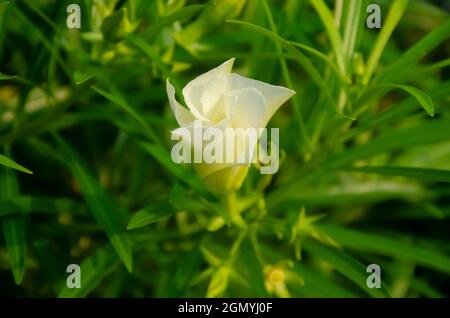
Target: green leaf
381 244
118 100
287 77
180 172
81 77
350 194
414 54
319 285
16 78
300 57
421 173
346 265
157 59
151 214
115 26
332 31
14 232
13 226
355 13
397 111
429 132
178 16
93 270
28 204
50 263
424 100
219 282
9 163
185 273
105 211
394 15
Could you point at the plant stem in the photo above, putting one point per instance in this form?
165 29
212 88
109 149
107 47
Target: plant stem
233 213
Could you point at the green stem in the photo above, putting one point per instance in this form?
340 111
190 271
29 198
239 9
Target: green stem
233 213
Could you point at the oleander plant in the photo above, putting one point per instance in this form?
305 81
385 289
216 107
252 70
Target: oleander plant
92 204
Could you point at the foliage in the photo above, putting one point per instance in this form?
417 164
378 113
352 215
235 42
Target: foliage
86 175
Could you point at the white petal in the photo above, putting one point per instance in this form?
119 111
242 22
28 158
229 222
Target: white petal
245 108
275 96
182 115
202 92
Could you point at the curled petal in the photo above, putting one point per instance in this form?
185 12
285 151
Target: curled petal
182 115
245 108
202 93
275 96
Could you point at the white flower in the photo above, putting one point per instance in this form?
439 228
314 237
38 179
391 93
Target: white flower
222 99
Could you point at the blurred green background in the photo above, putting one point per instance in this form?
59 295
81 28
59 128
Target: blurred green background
364 172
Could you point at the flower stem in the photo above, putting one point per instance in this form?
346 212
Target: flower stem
233 213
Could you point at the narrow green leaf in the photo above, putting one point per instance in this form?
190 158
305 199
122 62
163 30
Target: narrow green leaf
105 211
27 204
180 172
13 226
185 273
318 284
168 20
397 111
80 77
429 132
300 57
14 233
333 34
150 214
346 265
381 244
424 100
93 270
353 21
16 78
394 71
287 77
50 262
429 174
9 163
155 58
394 15
118 100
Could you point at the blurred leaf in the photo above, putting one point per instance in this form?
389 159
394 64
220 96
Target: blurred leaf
120 101
92 271
381 244
181 173
27 204
185 273
105 211
426 133
168 20
414 54
13 226
16 78
115 26
151 214
219 282
346 265
52 265
420 173
319 285
396 111
300 58
80 77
